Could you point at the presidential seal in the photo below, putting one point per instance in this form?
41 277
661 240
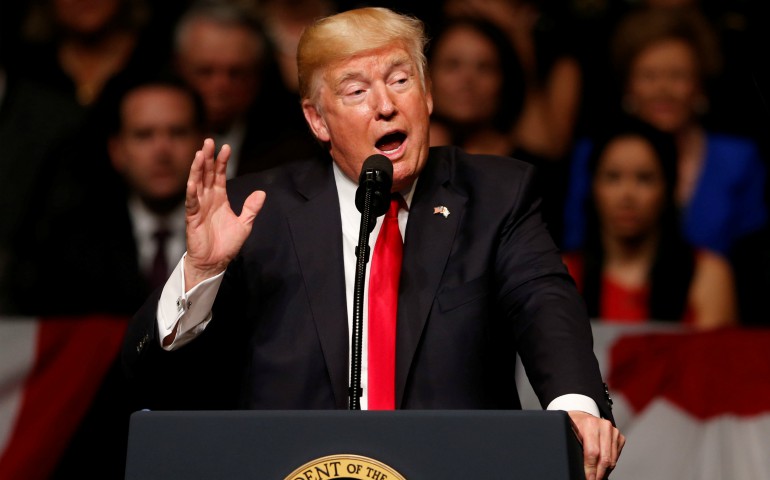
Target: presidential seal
344 467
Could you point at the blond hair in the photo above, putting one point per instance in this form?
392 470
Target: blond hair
352 33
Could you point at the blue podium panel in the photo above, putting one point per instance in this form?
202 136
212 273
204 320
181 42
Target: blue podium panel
410 445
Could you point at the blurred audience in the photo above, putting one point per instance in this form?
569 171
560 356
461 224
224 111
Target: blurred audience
733 105
101 253
81 45
284 21
106 257
552 77
664 61
477 86
221 50
635 265
30 136
91 51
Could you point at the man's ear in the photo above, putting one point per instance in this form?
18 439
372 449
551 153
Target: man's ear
429 95
316 121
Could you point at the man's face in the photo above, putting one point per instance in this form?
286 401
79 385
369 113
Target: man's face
157 142
373 103
221 63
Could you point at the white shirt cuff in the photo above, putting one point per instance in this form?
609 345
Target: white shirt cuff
190 310
574 401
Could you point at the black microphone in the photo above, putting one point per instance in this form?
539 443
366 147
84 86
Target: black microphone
377 177
372 200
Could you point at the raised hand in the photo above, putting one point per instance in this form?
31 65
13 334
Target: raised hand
214 233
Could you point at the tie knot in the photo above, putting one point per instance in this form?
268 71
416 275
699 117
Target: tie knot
161 234
397 202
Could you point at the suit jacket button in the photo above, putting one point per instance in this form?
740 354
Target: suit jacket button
608 396
142 343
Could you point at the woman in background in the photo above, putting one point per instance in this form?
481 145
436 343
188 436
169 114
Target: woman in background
635 265
665 59
477 87
552 78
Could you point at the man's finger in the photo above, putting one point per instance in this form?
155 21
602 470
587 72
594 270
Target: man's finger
605 462
221 164
591 453
208 163
615 446
193 181
251 207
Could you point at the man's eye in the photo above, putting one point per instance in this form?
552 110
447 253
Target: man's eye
354 92
142 134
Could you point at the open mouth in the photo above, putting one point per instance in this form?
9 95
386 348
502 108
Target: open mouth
390 142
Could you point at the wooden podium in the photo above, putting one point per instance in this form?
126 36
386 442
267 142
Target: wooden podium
321 445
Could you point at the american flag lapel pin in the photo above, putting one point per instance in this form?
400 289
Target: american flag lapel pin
441 210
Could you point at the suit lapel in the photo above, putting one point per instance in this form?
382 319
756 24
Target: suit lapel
427 245
317 237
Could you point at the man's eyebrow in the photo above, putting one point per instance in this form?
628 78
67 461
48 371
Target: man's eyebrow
396 61
400 61
346 77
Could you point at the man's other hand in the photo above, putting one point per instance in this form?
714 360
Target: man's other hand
602 443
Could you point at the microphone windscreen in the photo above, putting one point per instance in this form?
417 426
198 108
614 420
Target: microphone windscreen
377 162
377 178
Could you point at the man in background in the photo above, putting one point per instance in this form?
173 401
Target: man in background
220 49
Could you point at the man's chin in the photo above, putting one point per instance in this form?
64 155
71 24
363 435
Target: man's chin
403 180
163 201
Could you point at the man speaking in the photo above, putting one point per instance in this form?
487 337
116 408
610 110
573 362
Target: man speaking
463 273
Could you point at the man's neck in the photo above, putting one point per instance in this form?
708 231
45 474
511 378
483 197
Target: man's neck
162 207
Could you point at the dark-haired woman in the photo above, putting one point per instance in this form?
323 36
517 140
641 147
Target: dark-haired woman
635 265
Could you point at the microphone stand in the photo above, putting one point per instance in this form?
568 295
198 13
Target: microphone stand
362 258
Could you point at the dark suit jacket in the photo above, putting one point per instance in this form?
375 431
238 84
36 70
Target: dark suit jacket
476 287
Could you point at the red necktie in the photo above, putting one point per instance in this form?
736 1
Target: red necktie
159 269
383 301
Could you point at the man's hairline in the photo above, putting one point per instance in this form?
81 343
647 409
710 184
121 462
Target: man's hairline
182 34
317 83
156 86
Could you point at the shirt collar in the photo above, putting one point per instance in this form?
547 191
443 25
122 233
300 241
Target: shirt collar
347 188
147 222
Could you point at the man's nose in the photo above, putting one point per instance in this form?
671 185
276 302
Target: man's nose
219 80
162 143
384 104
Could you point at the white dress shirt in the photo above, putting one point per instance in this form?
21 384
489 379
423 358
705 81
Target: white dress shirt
145 223
233 137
